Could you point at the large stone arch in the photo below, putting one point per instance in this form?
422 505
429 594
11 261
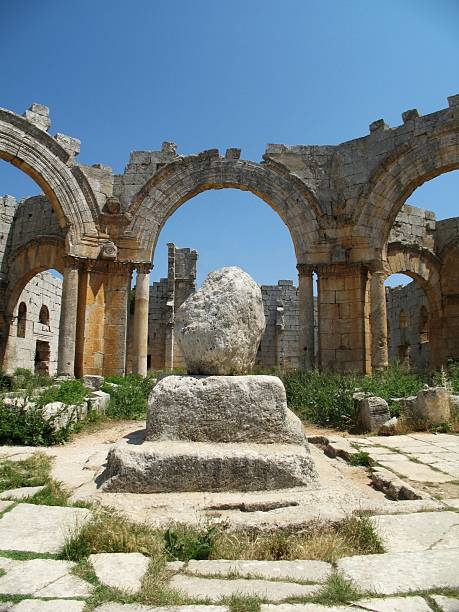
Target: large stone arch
397 177
186 177
450 290
423 267
41 157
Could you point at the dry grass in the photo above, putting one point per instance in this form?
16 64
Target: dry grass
355 535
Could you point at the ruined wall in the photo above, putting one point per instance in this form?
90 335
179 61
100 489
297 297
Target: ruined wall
44 289
408 319
414 226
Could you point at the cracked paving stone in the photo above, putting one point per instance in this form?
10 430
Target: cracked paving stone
385 604
43 578
123 571
392 573
20 493
304 571
214 589
40 529
415 532
116 607
418 472
51 605
446 604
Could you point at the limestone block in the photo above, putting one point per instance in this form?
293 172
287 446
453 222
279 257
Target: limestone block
389 428
454 404
20 493
99 401
219 327
433 405
222 409
43 578
155 467
50 605
374 412
93 382
446 604
123 571
61 415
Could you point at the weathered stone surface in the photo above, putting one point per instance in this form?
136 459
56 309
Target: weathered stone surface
219 327
93 382
373 412
20 493
389 428
222 409
43 578
40 529
154 467
50 605
4 505
415 471
123 571
214 589
384 604
414 532
391 573
433 405
446 604
388 482
300 570
99 401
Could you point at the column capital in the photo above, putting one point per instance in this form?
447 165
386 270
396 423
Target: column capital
143 267
305 269
341 269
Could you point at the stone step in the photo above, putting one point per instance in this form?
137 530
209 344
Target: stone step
392 573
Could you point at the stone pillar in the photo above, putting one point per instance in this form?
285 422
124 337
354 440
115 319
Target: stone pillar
68 321
380 357
142 296
306 312
343 317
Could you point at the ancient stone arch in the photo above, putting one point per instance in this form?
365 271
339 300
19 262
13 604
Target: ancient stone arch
41 157
402 172
186 177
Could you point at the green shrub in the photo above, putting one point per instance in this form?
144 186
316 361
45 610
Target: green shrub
129 399
322 398
26 379
361 458
70 392
185 543
28 427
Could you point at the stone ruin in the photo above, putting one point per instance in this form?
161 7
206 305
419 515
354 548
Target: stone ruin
216 429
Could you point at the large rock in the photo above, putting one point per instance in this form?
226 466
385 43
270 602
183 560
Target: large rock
374 412
433 405
219 327
222 409
161 467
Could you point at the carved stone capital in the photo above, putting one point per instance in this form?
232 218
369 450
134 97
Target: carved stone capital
305 269
108 250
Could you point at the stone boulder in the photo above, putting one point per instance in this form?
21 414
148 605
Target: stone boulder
433 405
219 327
373 412
222 409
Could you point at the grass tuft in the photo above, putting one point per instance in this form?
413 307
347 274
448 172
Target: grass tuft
31 472
337 590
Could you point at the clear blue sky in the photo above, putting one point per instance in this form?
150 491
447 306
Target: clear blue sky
127 75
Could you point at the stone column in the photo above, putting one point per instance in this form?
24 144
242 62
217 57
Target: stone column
142 297
68 321
380 358
306 316
343 317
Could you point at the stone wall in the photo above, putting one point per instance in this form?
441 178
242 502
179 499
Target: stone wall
31 351
408 320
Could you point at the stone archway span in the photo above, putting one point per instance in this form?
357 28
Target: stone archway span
41 157
397 177
420 265
186 177
38 255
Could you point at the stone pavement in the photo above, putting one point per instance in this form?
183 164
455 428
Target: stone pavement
421 537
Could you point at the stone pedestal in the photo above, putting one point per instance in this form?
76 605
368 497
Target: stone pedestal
214 433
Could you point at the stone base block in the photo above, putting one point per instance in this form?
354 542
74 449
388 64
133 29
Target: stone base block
163 467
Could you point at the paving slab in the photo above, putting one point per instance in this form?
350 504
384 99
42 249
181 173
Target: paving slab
116 607
20 493
454 503
41 529
52 605
394 604
4 505
214 589
392 573
123 571
300 571
422 531
418 472
386 604
446 604
43 578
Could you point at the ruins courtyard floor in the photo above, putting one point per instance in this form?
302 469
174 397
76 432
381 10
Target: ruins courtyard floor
419 569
